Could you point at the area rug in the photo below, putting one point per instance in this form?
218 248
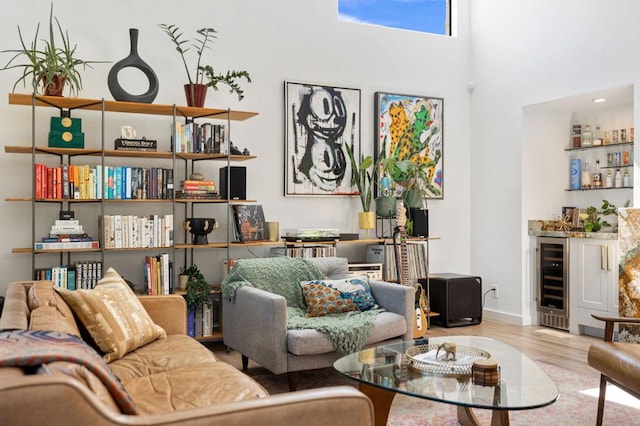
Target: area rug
574 407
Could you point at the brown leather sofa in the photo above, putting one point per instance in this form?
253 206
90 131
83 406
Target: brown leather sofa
173 380
618 362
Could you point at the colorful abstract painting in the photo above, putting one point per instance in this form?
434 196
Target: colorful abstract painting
319 122
411 127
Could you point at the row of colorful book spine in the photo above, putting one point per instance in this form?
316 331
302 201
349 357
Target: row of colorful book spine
158 274
129 231
206 138
82 274
95 182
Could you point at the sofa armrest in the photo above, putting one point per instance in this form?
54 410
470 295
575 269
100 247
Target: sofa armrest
36 399
396 298
255 324
168 311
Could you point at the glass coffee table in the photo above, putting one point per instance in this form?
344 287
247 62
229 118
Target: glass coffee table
386 370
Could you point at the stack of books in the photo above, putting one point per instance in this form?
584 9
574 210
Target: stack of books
67 234
197 189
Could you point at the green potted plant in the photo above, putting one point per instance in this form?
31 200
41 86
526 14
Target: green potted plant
592 218
197 287
205 75
362 176
49 65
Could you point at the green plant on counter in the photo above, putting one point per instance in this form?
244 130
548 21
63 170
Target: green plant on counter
592 219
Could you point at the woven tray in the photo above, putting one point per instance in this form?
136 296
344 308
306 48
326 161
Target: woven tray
465 355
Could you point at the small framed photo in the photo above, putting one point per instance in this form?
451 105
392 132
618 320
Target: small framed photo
571 215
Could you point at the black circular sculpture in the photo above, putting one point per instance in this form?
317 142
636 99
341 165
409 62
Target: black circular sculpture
135 61
200 227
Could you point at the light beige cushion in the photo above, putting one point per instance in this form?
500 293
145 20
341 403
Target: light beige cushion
113 315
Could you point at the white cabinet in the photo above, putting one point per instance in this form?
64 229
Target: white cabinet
594 279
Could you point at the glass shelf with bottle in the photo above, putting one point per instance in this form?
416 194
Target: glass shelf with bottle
609 145
614 176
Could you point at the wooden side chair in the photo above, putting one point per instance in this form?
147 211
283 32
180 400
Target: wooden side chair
618 362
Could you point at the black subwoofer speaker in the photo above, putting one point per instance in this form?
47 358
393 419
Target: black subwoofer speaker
457 298
237 183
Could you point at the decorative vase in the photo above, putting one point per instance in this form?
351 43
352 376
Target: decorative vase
182 282
196 94
414 198
200 227
367 220
386 206
133 60
55 87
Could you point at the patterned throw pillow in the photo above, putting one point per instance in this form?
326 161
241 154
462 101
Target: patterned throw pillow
325 297
113 315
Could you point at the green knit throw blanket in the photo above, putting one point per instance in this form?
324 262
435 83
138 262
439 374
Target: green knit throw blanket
282 275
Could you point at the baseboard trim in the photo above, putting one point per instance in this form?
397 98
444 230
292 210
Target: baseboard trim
503 316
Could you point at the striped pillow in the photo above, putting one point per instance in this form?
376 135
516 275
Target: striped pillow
113 315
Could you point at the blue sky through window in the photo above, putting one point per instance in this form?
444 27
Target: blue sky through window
418 15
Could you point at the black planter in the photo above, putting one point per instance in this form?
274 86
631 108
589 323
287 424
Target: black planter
135 61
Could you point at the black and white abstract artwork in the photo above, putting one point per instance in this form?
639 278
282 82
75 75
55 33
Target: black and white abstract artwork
319 121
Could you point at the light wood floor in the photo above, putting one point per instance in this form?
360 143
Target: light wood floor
539 343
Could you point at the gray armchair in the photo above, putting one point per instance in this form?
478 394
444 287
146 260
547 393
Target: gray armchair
255 324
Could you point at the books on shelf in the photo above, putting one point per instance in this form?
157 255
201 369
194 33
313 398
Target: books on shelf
66 234
204 320
84 182
249 222
129 231
323 250
82 274
206 138
205 189
158 274
147 145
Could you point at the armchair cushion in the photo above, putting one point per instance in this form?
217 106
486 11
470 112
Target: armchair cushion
113 315
324 297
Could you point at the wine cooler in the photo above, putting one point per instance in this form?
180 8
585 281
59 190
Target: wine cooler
552 278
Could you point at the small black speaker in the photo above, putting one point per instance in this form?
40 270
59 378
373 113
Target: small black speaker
237 183
420 219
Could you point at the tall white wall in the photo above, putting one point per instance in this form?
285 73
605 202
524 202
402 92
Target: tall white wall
296 40
525 53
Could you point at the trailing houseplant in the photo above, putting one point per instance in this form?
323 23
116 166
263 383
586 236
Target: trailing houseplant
204 75
592 218
197 287
48 64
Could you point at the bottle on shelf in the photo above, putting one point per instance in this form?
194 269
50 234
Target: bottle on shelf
586 177
596 176
597 138
576 135
618 179
575 174
626 179
608 181
587 136
607 138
